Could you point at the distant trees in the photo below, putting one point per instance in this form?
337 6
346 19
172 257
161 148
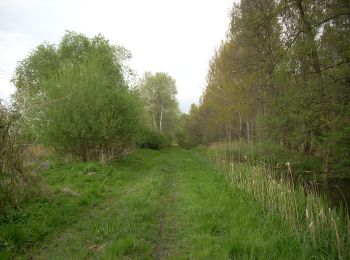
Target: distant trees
282 74
192 135
74 97
158 92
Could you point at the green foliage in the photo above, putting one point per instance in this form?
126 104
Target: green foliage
81 103
154 139
342 151
158 92
192 129
93 117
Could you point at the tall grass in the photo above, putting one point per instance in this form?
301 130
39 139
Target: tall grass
317 225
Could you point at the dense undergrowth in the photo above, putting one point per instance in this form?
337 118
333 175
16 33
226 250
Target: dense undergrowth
16 184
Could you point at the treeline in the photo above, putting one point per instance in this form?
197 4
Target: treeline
282 74
79 98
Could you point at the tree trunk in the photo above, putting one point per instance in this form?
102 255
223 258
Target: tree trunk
161 118
154 121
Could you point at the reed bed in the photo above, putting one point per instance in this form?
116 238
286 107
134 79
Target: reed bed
317 226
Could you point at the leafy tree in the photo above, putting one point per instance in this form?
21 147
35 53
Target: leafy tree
158 92
81 102
89 116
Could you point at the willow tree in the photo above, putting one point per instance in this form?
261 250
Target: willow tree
74 97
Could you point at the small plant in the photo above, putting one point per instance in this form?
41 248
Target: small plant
90 168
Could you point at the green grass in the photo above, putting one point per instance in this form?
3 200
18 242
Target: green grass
171 203
110 201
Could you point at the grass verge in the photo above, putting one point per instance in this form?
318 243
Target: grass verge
322 231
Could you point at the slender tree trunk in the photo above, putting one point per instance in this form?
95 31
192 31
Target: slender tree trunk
154 121
161 118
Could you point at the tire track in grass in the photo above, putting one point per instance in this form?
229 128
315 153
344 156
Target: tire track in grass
167 221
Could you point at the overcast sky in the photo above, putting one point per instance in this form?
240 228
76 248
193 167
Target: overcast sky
173 36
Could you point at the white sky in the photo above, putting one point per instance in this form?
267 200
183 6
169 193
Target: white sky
173 36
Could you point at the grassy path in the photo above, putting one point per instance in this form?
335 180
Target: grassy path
167 221
168 204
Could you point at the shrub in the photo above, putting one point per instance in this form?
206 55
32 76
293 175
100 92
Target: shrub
15 184
154 139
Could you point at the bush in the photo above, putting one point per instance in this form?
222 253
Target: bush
154 139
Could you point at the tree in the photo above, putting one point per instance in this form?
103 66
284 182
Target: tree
158 92
81 102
